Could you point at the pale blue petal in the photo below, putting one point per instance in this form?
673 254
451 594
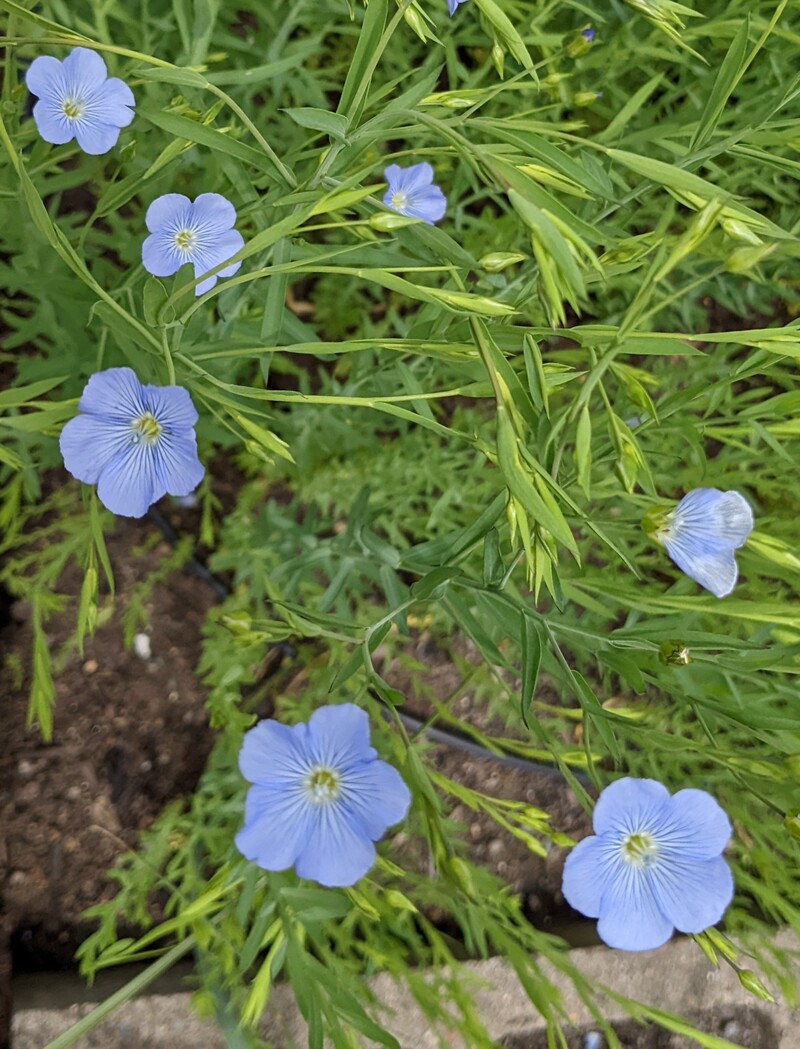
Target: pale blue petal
692 826
429 204
275 754
338 736
88 444
277 827
586 873
160 255
176 467
376 794
45 76
171 405
630 917
51 123
710 513
629 805
414 179
213 214
84 69
453 4
223 246
170 211
94 137
338 853
117 94
126 484
114 394
692 895
708 561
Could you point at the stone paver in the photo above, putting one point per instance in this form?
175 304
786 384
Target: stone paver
676 978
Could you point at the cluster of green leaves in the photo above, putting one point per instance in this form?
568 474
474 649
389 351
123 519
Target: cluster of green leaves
465 425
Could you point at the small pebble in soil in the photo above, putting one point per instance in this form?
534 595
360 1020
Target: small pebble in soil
90 666
141 646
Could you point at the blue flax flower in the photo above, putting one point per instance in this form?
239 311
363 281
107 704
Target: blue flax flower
654 864
77 99
135 442
702 533
453 4
412 192
320 796
201 233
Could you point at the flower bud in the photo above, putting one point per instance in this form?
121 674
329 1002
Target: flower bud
497 261
579 43
386 222
586 98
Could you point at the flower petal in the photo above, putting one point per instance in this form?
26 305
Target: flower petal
586 871
212 213
169 211
84 69
708 512
126 485
114 394
160 256
176 468
709 562
275 755
117 94
171 405
629 805
693 825
51 123
692 895
277 827
45 76
95 137
429 204
416 178
224 245
630 916
337 853
375 793
338 736
88 444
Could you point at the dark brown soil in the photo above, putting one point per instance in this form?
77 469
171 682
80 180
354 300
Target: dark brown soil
130 734
536 878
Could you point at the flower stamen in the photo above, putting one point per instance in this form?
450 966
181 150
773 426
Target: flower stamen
399 201
186 241
323 785
73 108
146 428
640 850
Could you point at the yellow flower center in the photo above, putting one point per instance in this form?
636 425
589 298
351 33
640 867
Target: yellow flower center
399 201
640 849
323 785
185 240
73 108
146 428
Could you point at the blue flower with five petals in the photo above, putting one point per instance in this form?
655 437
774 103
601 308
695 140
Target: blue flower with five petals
653 865
411 192
320 796
702 533
200 233
136 443
78 99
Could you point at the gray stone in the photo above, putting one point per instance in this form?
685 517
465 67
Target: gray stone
677 978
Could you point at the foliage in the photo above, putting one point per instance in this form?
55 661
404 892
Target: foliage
458 425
